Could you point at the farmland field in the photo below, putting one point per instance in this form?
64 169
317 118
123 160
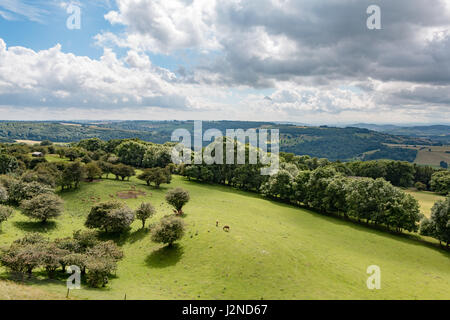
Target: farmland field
273 251
429 155
426 200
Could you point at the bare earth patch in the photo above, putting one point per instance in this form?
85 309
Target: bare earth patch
130 194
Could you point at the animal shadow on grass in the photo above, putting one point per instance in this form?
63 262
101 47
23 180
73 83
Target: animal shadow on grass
165 256
32 226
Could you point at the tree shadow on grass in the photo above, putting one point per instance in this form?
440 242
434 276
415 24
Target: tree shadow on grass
165 256
32 226
137 235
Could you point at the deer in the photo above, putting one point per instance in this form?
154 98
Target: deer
226 228
217 223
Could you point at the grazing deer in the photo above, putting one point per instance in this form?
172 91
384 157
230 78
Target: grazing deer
226 228
217 223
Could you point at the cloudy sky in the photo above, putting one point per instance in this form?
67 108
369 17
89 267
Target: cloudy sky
309 61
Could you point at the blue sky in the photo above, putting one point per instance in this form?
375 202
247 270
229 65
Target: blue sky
310 61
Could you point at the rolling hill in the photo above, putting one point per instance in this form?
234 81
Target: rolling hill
323 142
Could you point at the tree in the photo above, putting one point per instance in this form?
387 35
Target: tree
420 186
19 190
24 255
43 207
61 152
8 164
5 213
106 167
144 212
98 271
440 182
110 216
46 143
438 226
72 153
335 193
3 194
131 153
72 175
123 171
169 230
157 176
177 198
280 185
92 144
93 171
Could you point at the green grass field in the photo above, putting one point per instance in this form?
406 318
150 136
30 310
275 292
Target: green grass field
273 251
426 200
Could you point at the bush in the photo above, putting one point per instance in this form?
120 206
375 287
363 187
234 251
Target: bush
420 186
177 198
5 213
98 271
3 194
144 212
43 207
169 230
110 216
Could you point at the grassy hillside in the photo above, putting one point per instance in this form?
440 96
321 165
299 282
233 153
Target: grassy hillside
274 251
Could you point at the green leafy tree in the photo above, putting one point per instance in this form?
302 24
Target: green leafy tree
131 153
177 198
440 182
279 186
8 163
72 174
438 226
157 176
123 171
144 212
110 216
169 230
93 171
43 207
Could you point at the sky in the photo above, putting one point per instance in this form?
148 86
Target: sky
308 61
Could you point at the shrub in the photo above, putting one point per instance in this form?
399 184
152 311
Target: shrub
3 194
144 212
169 230
110 216
98 271
5 213
177 198
43 207
420 186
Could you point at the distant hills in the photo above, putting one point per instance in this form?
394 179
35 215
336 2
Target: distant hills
333 143
440 133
